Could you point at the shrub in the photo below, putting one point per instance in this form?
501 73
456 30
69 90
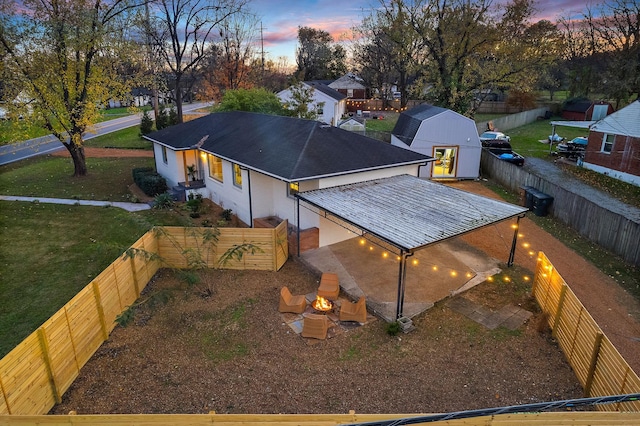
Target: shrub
153 184
139 171
150 182
226 214
163 201
393 328
146 123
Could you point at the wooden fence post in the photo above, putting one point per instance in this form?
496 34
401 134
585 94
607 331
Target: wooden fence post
132 264
44 345
556 317
595 352
98 298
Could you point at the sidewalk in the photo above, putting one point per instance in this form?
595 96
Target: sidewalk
130 207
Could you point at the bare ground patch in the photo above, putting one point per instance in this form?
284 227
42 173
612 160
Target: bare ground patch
232 352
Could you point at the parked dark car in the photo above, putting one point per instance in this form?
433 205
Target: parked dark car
503 151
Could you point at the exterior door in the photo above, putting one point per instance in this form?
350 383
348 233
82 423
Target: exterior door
446 162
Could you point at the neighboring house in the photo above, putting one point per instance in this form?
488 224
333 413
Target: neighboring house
585 110
451 138
353 124
351 86
253 164
329 104
614 145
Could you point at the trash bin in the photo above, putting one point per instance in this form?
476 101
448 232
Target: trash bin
541 203
536 201
526 196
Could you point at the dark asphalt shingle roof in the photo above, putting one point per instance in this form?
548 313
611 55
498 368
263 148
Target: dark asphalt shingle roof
288 148
321 87
409 121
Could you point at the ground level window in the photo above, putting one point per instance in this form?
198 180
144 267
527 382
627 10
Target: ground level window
215 167
607 143
293 188
164 155
237 176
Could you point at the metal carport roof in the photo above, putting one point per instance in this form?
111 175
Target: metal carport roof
409 213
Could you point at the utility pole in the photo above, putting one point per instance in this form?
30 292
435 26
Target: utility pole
262 50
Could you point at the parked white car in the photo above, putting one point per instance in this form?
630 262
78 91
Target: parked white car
492 136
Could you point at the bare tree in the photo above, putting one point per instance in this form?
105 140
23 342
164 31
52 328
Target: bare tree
183 30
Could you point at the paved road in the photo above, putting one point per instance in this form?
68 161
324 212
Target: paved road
47 144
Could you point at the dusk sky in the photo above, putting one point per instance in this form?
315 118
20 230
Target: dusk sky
281 18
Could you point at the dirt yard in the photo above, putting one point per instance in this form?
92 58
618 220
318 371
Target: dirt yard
222 346
230 351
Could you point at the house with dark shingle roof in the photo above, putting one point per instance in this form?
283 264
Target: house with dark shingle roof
451 138
254 164
330 104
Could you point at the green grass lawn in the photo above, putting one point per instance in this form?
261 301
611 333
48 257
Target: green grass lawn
107 179
385 125
49 253
128 138
525 140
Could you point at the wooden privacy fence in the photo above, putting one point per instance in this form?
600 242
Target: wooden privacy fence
575 418
596 362
37 372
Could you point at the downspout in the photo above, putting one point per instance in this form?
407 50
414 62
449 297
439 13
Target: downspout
250 197
402 275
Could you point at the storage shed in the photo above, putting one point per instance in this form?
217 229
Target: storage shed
449 137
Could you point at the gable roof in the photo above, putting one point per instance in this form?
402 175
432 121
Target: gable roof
625 121
348 81
410 120
323 88
290 149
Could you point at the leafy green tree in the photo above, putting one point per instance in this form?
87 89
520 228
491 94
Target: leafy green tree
64 53
300 104
460 47
317 57
252 100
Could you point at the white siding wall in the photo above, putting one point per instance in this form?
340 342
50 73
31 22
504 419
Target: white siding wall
173 169
364 176
270 199
444 130
225 193
332 111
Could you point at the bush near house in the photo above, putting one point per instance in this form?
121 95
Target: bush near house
150 182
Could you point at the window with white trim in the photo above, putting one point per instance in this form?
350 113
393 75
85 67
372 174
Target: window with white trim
607 143
237 176
215 167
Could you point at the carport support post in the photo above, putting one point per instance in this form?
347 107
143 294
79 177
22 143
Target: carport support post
515 242
298 223
402 275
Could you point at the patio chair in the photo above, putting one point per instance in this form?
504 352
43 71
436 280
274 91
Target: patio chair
315 326
354 311
329 286
291 303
